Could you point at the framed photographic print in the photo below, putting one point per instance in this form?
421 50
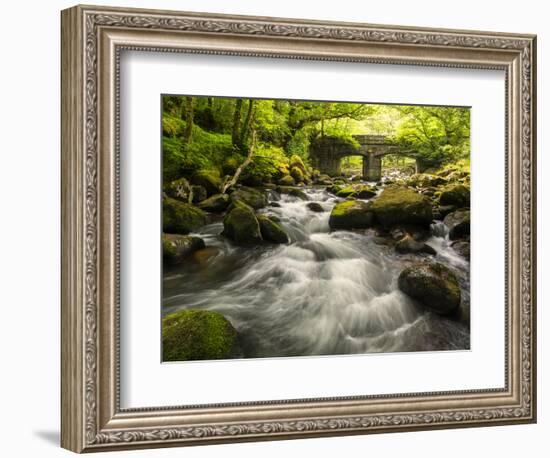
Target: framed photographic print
278 228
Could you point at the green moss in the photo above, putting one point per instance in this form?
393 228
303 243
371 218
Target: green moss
458 195
241 226
433 285
271 231
297 174
346 191
396 205
268 165
286 180
295 192
181 218
197 335
209 179
351 214
250 196
215 204
296 161
335 188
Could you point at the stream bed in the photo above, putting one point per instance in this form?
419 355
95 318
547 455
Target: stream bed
324 293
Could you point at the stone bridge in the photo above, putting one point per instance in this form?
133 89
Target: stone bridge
327 152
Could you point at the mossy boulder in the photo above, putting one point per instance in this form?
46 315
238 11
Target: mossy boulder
178 189
323 179
256 199
297 174
199 193
457 195
181 218
198 335
315 207
334 188
239 204
272 231
241 226
432 285
458 223
176 247
346 191
365 191
209 179
298 193
286 180
296 161
351 214
425 180
215 204
400 205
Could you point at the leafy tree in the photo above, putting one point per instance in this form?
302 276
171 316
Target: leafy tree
434 135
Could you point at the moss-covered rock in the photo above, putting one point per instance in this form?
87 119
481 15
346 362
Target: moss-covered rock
176 247
180 189
239 204
272 231
215 204
433 285
296 161
334 188
458 223
181 218
241 225
457 195
365 191
397 205
424 180
351 214
198 335
286 180
315 207
256 199
210 179
297 174
298 193
346 191
323 179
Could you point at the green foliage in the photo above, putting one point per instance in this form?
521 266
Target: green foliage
211 133
434 135
207 150
269 164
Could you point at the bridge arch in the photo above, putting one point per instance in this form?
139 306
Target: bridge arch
326 153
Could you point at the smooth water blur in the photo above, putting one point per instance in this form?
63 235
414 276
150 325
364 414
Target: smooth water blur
324 293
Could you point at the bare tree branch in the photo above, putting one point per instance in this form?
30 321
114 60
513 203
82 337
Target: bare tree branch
233 181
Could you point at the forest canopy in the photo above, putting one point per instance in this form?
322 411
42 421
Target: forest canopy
219 134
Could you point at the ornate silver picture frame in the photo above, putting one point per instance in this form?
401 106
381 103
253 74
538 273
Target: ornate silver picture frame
93 39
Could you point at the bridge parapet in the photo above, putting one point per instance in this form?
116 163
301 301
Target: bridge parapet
373 140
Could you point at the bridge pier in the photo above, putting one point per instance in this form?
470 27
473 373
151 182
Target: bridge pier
372 167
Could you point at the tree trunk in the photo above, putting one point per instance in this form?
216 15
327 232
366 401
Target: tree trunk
235 135
188 113
247 124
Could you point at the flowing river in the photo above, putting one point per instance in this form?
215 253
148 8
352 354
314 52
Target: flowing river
325 293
